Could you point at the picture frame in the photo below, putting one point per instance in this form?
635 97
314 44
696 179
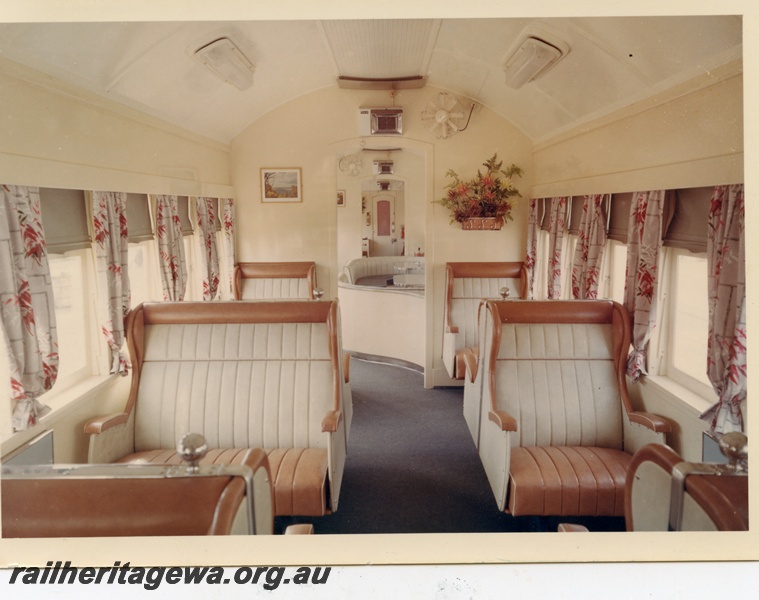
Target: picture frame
341 197
281 184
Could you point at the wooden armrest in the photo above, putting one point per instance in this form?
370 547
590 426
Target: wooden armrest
331 421
101 424
452 329
346 366
572 528
471 361
652 422
503 419
301 529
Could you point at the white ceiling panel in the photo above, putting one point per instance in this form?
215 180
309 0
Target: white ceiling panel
611 63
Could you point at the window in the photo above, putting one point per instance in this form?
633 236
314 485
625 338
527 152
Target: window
143 273
70 279
616 271
687 321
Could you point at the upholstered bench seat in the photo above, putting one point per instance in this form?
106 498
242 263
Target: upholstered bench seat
245 374
547 404
575 480
299 475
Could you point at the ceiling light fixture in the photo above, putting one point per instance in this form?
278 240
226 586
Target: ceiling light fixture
225 60
532 58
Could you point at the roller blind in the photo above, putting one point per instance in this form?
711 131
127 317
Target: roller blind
619 217
217 209
64 217
575 215
138 218
183 207
690 220
544 213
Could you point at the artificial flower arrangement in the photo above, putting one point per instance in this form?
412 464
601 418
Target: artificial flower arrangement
487 195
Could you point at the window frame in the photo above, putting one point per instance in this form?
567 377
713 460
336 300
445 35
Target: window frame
93 342
661 345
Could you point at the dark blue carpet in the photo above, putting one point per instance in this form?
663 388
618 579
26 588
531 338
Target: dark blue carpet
412 466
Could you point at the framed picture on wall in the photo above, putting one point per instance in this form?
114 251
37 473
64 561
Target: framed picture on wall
281 185
341 197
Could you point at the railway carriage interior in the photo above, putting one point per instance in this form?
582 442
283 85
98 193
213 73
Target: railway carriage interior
436 275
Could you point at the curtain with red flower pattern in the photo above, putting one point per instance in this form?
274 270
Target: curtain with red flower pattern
228 229
726 258
109 222
557 227
643 243
207 219
27 308
533 231
171 258
591 238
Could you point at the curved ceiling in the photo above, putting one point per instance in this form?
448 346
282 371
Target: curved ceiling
611 62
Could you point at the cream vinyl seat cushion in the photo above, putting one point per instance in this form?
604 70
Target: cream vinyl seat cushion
244 375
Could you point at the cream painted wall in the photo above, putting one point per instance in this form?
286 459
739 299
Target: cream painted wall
311 131
689 140
57 136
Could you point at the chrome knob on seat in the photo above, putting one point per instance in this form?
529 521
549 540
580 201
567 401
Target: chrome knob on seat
734 446
192 447
318 293
504 292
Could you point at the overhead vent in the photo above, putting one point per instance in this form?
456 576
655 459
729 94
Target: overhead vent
383 167
225 60
531 57
380 121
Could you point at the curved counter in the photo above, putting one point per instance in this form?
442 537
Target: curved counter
381 320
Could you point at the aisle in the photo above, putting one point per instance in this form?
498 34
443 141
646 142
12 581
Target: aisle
411 465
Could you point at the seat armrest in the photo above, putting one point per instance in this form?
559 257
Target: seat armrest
331 421
300 529
503 419
346 367
452 329
572 528
652 422
643 428
471 361
101 424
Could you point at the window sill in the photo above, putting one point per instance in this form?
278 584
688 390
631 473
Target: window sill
676 394
61 405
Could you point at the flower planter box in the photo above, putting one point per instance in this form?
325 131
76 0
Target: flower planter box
481 223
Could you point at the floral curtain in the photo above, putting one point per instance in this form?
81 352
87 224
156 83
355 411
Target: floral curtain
228 229
207 219
533 231
557 227
591 238
726 363
644 240
170 248
27 310
111 246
